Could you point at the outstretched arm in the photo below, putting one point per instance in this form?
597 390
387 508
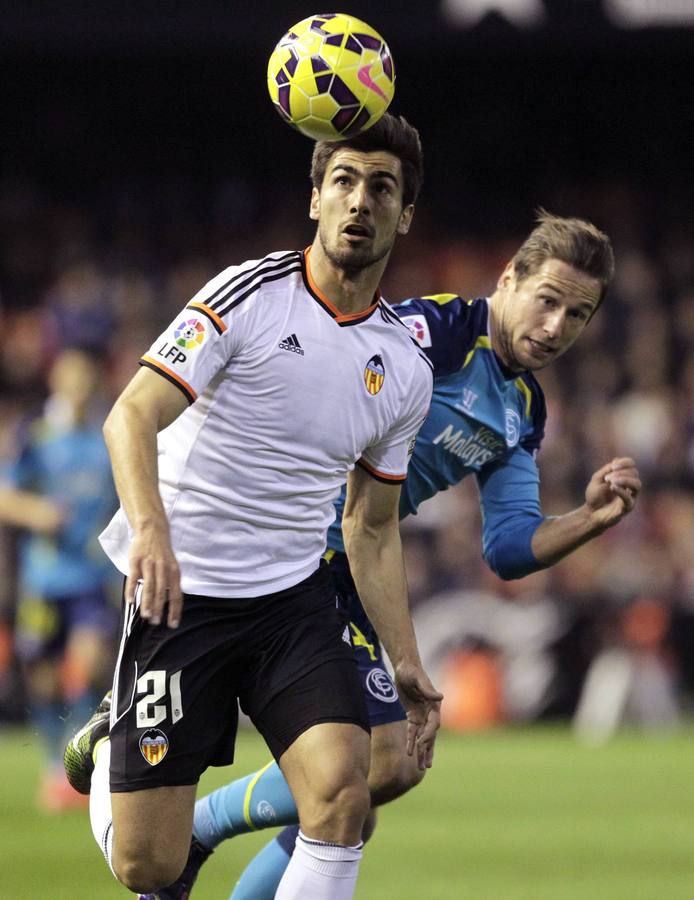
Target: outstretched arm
519 540
610 495
147 405
372 540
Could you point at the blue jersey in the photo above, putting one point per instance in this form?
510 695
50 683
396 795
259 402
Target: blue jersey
484 420
70 466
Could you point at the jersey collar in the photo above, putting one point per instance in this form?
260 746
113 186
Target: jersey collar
329 307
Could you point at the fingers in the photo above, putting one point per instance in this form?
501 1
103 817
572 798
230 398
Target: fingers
624 481
427 738
421 734
160 587
423 704
622 477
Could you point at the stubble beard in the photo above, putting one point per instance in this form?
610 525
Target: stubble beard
352 261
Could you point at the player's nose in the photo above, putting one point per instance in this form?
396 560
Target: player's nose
553 324
359 198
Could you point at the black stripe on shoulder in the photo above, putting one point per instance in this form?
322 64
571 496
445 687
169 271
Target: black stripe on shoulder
242 279
204 312
239 298
186 393
424 356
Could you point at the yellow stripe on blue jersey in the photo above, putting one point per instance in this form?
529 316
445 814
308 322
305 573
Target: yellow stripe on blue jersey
441 299
482 341
524 389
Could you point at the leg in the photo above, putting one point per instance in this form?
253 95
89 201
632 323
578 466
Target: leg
145 858
392 772
326 768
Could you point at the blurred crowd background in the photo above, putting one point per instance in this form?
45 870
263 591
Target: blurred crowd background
141 156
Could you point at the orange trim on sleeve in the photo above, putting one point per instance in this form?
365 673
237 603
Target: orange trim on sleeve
331 306
211 313
169 374
382 476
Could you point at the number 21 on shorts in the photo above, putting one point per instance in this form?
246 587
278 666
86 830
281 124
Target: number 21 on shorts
149 711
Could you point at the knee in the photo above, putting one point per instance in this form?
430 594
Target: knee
146 874
392 775
338 806
369 825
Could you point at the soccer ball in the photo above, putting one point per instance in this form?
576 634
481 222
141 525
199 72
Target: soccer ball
331 76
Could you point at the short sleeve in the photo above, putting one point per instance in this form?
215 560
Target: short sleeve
202 338
388 459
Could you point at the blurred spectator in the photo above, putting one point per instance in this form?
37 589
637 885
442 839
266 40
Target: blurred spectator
59 492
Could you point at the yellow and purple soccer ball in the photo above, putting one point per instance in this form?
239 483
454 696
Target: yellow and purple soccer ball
331 76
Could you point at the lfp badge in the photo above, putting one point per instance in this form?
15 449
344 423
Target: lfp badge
374 374
189 334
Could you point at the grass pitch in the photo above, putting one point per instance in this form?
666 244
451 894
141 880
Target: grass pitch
508 815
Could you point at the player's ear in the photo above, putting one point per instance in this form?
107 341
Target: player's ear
314 208
506 276
405 219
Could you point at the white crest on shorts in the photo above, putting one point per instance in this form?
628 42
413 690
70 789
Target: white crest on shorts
380 685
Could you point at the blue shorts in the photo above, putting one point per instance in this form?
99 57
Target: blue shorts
44 624
380 692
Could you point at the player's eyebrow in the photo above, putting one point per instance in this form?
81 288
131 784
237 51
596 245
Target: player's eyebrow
379 173
564 289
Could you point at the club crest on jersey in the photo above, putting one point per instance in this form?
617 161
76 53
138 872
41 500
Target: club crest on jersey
154 745
189 334
374 374
419 327
513 426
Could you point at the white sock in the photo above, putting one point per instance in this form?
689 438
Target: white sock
100 802
320 871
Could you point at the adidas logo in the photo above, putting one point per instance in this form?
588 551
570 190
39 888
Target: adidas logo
292 343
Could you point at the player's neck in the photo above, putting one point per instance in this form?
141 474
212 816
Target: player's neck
349 292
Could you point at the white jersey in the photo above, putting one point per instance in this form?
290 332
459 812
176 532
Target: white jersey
287 395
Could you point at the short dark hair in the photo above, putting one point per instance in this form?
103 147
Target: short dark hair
391 133
574 241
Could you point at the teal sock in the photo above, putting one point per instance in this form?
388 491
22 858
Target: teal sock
260 800
261 877
48 719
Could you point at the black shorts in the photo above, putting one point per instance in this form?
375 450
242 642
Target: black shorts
286 657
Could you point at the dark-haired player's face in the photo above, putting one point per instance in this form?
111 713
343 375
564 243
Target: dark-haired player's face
543 314
359 208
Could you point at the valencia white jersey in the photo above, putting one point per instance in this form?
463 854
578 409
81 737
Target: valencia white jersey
286 395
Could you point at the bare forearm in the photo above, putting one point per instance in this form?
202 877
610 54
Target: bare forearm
131 439
23 509
379 575
556 537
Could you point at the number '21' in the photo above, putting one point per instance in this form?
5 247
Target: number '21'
149 711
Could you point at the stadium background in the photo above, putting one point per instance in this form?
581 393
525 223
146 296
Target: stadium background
140 155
